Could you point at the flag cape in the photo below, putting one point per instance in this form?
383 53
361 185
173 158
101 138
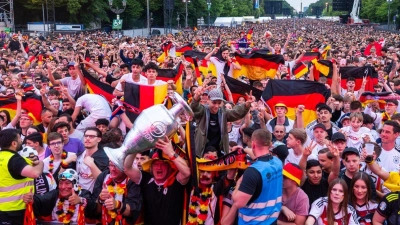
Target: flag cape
172 74
322 68
300 70
97 87
309 56
30 102
143 96
259 66
239 89
358 73
293 93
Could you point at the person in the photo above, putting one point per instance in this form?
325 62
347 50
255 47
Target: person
388 210
224 64
142 158
355 133
118 198
17 174
280 119
73 133
294 201
333 209
134 77
67 204
296 139
324 114
361 198
75 83
73 145
35 141
211 120
315 186
96 105
389 158
257 182
102 125
163 187
93 160
380 118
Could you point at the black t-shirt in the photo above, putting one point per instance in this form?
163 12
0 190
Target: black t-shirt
329 131
214 132
16 165
315 191
110 78
252 181
161 205
389 208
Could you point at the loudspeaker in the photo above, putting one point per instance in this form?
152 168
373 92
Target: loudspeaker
342 5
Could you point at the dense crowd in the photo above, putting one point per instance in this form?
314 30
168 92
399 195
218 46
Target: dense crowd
341 168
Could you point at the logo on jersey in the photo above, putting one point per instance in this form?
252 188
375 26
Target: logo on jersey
382 206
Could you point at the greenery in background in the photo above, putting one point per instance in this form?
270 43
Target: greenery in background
87 11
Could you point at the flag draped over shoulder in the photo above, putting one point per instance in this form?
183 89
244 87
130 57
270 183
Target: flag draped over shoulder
172 74
293 93
322 68
97 87
259 66
30 102
240 89
143 96
359 73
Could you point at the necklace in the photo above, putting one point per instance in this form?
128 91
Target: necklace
199 203
115 188
51 161
63 217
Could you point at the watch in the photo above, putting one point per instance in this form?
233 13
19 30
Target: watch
174 157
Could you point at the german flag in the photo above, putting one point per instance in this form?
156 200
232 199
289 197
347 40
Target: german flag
191 56
218 42
359 73
380 97
300 69
240 89
181 50
250 34
309 56
97 87
166 47
322 67
143 96
87 55
293 93
178 51
260 66
325 52
172 74
31 102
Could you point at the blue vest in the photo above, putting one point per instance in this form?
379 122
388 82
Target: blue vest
265 209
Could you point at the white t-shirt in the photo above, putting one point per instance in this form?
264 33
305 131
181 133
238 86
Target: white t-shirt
56 164
157 82
287 128
355 139
128 78
292 158
95 104
86 179
219 67
317 148
74 86
389 160
76 134
319 211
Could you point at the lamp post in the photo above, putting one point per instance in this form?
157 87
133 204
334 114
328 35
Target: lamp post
151 21
117 10
326 7
294 19
186 14
177 19
389 2
209 7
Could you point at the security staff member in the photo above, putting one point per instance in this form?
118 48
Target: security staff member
16 177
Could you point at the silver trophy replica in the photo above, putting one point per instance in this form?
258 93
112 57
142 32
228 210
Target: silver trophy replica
152 124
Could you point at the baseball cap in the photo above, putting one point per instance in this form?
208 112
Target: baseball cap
344 118
338 136
292 172
216 94
70 64
349 150
319 125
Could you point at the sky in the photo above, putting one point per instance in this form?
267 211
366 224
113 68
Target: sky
296 3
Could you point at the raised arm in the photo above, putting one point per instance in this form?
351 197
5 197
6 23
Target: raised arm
50 75
95 68
214 51
133 173
46 102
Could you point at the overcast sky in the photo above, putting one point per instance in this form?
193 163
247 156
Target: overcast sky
296 3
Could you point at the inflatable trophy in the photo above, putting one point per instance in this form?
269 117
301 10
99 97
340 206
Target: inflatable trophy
152 124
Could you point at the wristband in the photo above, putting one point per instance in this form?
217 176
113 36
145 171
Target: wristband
369 163
174 157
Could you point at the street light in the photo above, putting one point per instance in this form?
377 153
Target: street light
177 19
117 10
186 15
209 7
389 2
326 6
151 21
